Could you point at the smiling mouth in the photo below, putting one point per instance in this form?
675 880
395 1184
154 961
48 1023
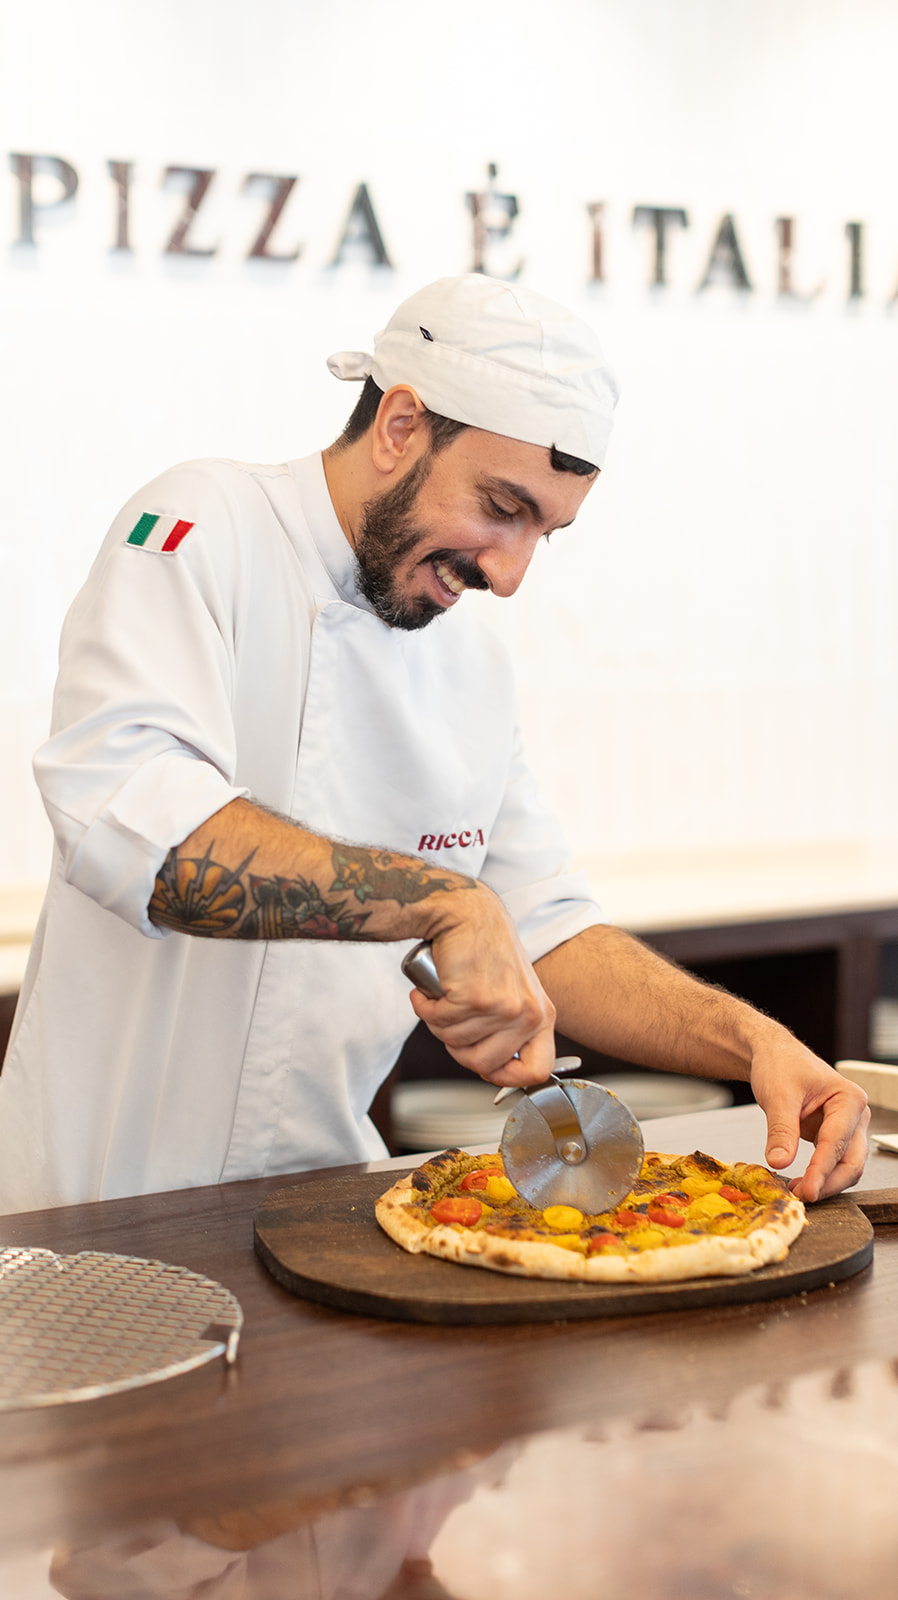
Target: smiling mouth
448 578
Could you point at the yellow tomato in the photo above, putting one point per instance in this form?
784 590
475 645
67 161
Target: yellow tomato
647 1238
697 1186
500 1188
564 1218
708 1205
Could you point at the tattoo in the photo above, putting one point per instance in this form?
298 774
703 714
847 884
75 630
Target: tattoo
292 908
371 875
199 895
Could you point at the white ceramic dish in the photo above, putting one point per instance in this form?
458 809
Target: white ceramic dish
439 1113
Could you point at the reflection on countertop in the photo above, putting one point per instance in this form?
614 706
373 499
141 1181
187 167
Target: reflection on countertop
787 1495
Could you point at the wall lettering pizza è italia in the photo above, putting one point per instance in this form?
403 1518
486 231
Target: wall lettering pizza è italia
204 213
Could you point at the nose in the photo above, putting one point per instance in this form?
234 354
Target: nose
504 566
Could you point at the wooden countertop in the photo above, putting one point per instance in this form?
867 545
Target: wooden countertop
325 1409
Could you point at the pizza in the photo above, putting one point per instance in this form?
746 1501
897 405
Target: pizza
685 1217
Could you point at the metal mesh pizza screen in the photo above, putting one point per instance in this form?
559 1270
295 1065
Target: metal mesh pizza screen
76 1327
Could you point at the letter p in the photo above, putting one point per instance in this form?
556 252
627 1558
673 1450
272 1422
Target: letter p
25 167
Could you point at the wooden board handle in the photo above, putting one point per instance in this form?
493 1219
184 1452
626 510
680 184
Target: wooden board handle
878 1205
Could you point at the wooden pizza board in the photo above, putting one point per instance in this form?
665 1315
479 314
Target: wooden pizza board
319 1239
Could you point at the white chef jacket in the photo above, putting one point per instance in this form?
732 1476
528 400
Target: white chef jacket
246 662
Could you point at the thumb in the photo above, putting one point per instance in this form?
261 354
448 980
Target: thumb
782 1141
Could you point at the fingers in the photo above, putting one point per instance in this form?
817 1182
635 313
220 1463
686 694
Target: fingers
494 1017
533 1064
839 1158
802 1096
513 1050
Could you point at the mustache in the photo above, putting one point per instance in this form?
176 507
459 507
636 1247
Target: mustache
465 570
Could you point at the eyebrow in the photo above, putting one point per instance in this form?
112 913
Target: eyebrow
518 492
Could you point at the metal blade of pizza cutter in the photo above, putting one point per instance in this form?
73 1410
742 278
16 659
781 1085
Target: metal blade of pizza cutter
573 1143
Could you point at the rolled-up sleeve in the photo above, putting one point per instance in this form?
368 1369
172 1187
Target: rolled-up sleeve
142 745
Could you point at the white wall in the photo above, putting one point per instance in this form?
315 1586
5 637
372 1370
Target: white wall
709 657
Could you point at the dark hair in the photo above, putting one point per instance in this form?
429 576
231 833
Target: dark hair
442 431
565 463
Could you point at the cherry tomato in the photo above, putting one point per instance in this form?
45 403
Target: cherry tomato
455 1209
670 1199
630 1219
599 1241
666 1216
727 1192
475 1180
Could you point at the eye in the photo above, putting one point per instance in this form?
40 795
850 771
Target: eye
501 511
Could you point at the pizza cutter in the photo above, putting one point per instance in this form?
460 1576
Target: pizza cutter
573 1143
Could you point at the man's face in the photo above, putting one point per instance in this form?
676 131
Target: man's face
466 517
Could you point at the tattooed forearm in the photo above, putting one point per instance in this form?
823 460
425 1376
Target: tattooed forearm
198 894
377 875
203 897
292 908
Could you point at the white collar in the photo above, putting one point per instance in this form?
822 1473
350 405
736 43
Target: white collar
330 541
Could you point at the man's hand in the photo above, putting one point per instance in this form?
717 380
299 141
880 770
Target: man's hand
615 995
495 1017
246 873
799 1093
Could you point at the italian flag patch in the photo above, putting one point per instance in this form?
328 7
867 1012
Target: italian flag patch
162 534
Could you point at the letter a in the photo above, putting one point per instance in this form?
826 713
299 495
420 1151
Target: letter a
361 230
725 264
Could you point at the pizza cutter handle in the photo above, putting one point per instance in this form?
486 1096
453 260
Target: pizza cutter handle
421 970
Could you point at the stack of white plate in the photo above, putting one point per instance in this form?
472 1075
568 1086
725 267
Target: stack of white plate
441 1113
438 1114
884 1029
666 1094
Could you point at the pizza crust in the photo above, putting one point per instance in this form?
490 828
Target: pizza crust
710 1256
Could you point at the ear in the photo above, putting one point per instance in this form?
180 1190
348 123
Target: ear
400 434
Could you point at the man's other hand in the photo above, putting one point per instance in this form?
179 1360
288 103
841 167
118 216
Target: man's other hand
802 1096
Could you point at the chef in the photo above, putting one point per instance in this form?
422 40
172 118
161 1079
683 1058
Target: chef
282 750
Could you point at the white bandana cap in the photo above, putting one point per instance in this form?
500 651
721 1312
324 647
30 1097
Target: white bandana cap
498 357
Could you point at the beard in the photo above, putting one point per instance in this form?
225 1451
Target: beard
388 535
